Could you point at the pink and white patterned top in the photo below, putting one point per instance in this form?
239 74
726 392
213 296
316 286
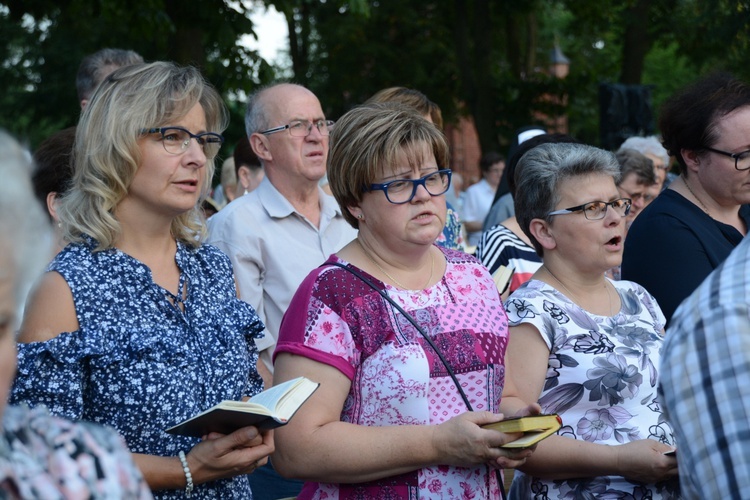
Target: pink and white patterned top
397 379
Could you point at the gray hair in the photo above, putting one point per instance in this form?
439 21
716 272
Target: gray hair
633 162
25 236
650 145
542 169
256 113
95 67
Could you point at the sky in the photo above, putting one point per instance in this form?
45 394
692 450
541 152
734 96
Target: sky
273 36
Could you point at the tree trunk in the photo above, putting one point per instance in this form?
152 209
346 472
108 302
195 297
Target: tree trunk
636 41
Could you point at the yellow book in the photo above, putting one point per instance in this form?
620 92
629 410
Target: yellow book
534 428
502 278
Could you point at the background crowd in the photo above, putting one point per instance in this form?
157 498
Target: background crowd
341 251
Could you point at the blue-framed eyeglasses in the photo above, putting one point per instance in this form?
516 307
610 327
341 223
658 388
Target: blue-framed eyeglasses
403 190
596 210
176 140
741 159
302 128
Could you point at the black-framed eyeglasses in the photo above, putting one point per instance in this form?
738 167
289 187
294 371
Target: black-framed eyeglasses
596 210
302 128
176 140
403 190
741 159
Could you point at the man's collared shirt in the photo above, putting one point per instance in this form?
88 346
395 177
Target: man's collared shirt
273 248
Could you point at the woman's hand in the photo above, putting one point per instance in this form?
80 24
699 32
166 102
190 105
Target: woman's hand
463 442
219 456
644 461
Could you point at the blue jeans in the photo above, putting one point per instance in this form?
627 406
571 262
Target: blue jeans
267 484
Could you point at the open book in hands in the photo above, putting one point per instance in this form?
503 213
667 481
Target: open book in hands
534 428
267 410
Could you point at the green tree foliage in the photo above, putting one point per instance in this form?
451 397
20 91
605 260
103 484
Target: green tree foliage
46 41
486 59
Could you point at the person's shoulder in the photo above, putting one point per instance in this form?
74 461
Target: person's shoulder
210 254
74 256
668 210
238 210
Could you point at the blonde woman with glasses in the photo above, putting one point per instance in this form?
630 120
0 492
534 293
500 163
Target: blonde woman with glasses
137 324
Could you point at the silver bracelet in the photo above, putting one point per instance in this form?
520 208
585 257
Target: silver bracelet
188 475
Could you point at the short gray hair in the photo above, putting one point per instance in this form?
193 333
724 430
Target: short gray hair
542 169
25 236
650 145
95 67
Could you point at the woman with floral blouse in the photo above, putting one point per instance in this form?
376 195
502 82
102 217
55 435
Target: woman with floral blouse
137 323
584 346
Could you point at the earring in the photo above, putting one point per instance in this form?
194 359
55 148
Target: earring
361 217
246 191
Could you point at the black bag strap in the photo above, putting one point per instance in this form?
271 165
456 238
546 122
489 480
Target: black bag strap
416 325
411 320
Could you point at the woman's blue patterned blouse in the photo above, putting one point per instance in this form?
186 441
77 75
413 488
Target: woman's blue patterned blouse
137 362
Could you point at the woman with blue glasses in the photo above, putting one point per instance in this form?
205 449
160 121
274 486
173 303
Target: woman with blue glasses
584 346
406 338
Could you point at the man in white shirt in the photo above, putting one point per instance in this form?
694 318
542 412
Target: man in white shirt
478 197
279 232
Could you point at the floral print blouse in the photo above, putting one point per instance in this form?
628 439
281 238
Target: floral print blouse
137 362
397 379
47 457
601 379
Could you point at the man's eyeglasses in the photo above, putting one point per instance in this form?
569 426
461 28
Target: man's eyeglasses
741 159
596 210
403 190
636 196
176 140
302 128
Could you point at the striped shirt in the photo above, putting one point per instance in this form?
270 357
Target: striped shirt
502 247
705 382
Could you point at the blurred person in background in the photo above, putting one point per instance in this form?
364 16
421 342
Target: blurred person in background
652 148
95 67
248 168
637 175
478 197
52 174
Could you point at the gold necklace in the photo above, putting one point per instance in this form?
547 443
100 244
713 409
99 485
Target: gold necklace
609 294
394 280
705 208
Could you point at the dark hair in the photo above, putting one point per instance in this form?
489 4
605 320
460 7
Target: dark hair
633 162
688 119
244 156
510 167
95 67
489 159
53 165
